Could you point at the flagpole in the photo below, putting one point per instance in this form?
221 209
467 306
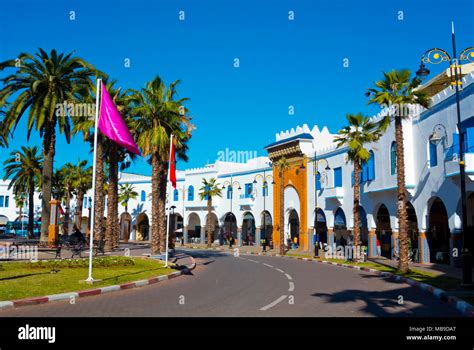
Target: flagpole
168 223
96 131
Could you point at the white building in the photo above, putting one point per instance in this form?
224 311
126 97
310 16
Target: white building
324 198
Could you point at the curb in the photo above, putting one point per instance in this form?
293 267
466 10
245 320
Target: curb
460 305
97 291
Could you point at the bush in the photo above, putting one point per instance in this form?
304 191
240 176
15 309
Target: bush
108 261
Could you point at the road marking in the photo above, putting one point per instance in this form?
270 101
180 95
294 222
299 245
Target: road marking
292 287
288 276
255 261
272 304
267 265
280 270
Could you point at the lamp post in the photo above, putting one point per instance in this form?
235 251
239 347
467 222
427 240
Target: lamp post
231 186
436 56
183 190
315 174
265 179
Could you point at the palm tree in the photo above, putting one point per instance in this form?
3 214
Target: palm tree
23 168
360 131
210 188
397 89
67 179
82 182
41 83
282 165
127 192
20 203
158 115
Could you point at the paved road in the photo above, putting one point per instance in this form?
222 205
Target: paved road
224 285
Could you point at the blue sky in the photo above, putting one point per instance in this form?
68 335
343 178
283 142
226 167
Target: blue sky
282 63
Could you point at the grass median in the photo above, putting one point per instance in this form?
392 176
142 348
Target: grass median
33 279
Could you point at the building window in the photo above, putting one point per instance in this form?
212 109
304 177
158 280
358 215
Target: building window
338 177
433 154
175 195
370 175
84 204
229 192
2 201
318 181
190 193
143 196
7 201
393 158
248 190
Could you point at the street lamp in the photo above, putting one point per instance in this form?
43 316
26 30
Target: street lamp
265 179
435 137
436 56
231 184
316 173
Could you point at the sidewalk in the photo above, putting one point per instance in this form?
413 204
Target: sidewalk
431 268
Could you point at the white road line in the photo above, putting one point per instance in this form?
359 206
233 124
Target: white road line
255 261
267 265
288 276
292 287
279 270
272 304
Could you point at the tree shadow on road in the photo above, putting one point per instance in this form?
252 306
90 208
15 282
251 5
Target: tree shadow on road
387 303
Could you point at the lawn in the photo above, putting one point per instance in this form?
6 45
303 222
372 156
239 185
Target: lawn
23 279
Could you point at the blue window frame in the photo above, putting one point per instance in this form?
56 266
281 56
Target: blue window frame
371 167
433 149
191 193
7 201
2 201
393 158
143 196
175 195
206 197
229 192
318 181
338 177
248 190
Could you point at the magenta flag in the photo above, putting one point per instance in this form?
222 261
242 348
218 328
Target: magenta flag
112 125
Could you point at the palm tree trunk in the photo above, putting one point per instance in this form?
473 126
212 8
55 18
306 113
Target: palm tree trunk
282 214
356 210
401 198
49 144
111 190
114 200
79 208
155 188
162 206
99 200
31 210
66 214
208 222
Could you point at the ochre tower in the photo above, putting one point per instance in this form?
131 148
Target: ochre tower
295 176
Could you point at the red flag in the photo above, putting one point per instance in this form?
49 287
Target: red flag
172 166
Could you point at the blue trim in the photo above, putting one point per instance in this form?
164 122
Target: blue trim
305 136
457 173
244 173
390 188
451 100
330 154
